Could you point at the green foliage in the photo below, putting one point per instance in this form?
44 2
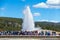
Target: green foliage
49 25
15 24
10 24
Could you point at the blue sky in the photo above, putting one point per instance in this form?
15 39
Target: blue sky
42 10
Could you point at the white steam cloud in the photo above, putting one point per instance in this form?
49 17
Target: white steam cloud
28 22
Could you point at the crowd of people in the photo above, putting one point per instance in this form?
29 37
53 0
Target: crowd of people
25 33
17 33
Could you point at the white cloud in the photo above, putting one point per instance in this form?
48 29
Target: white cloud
48 4
54 21
36 14
53 2
40 5
43 20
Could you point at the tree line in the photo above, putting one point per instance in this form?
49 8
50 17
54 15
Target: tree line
15 24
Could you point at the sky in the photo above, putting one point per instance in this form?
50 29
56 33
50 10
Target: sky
42 10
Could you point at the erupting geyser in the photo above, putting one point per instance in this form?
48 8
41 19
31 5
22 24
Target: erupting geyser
28 22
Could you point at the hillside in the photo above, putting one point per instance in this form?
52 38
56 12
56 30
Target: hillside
15 24
49 25
7 23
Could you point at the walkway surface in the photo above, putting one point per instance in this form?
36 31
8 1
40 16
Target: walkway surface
29 38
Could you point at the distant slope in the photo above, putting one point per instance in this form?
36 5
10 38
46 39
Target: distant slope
49 25
15 24
7 23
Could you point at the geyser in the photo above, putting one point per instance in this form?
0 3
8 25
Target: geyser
28 22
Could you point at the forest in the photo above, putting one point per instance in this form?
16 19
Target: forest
15 24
